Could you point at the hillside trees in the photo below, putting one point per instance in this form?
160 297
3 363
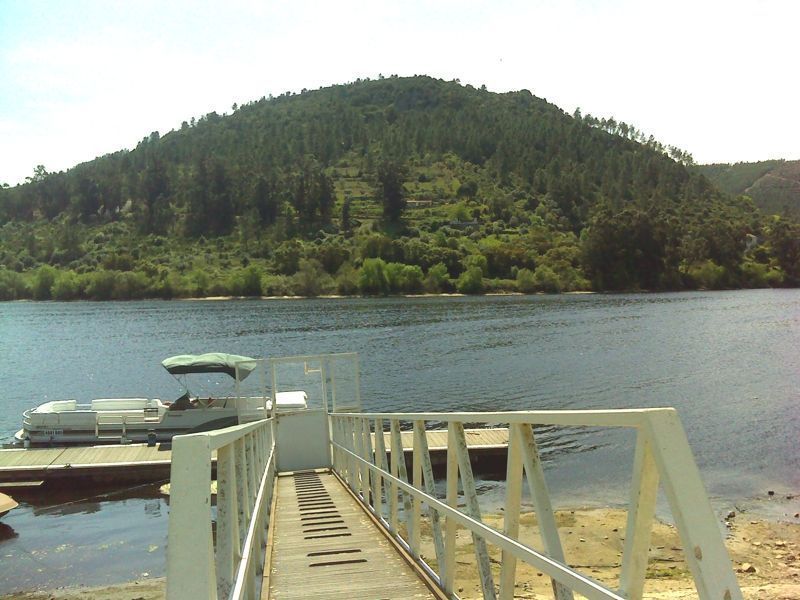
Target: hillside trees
389 191
416 172
784 237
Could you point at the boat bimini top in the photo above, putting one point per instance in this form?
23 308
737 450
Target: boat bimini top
211 362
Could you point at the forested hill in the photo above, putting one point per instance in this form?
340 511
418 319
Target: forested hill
774 185
396 185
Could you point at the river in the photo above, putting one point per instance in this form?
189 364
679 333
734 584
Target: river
728 361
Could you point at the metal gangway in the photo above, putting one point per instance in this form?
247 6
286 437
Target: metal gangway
321 503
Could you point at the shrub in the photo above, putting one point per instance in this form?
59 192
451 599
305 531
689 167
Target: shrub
546 280
287 257
100 285
12 285
251 281
774 277
470 281
169 285
198 283
372 277
311 279
437 279
477 260
708 275
276 285
347 280
526 281
67 286
43 282
130 285
411 279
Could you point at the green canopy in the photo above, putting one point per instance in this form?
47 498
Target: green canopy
211 362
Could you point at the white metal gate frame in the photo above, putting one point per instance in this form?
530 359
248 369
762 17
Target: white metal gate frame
662 456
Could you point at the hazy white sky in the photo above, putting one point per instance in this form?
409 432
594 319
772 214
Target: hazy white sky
83 78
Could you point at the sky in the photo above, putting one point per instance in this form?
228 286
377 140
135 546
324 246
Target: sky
82 78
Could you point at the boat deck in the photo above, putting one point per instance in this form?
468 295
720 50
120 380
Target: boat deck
109 463
323 544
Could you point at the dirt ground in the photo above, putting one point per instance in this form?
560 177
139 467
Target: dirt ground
765 555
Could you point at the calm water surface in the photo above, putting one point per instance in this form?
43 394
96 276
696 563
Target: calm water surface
728 361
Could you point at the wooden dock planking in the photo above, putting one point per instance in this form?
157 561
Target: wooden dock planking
140 463
496 437
78 456
14 458
307 561
131 462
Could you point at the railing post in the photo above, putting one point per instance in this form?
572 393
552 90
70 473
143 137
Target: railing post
358 442
380 462
242 487
474 511
395 460
508 563
416 468
261 532
352 466
363 477
641 510
369 455
335 452
421 442
251 472
190 541
344 460
548 528
228 547
335 457
697 525
452 502
402 474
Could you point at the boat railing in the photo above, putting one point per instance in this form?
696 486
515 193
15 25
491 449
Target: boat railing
662 456
197 567
118 423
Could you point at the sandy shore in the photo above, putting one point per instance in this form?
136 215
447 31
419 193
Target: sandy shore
147 589
765 554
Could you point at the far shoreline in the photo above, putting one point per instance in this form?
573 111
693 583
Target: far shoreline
378 297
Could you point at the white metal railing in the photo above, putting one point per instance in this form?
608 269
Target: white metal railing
662 455
246 468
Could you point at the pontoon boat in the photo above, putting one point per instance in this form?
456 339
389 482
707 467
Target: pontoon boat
122 420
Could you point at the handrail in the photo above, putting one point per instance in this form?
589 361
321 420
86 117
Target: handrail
246 465
662 453
628 417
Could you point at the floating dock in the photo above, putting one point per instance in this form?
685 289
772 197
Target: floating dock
140 463
100 464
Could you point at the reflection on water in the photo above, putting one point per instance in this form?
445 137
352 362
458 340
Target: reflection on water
727 361
82 537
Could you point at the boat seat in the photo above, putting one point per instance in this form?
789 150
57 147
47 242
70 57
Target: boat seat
57 406
121 404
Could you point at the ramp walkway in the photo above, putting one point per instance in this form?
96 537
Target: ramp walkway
324 545
321 503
